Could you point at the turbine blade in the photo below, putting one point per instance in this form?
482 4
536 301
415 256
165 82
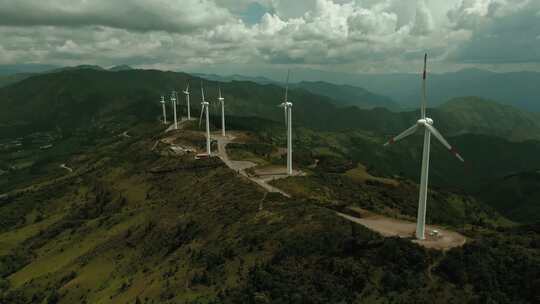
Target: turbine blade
424 102
443 141
200 118
187 88
285 112
202 91
404 134
287 86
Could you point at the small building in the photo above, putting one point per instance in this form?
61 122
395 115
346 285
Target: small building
202 156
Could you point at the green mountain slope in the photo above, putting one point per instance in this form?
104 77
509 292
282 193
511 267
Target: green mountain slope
480 116
516 195
11 79
134 224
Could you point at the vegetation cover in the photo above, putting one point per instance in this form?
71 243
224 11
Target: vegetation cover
135 223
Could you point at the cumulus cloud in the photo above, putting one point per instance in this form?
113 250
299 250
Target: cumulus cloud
355 35
423 24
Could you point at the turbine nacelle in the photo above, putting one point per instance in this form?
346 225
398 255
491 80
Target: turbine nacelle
425 121
286 104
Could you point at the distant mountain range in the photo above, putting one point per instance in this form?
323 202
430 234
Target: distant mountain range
519 89
347 95
342 95
393 91
10 75
76 95
12 69
236 77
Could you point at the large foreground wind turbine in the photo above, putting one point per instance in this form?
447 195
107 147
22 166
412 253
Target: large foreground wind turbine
173 102
425 123
287 108
162 101
204 108
186 92
222 101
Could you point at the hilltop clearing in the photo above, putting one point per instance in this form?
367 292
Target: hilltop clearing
137 221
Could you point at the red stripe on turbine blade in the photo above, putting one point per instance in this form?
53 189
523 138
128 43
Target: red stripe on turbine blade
392 141
425 66
456 154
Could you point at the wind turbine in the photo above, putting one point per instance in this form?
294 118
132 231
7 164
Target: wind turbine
222 101
287 109
204 108
164 110
427 124
173 102
186 92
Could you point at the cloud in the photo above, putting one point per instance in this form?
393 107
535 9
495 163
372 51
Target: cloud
501 31
351 35
138 15
423 23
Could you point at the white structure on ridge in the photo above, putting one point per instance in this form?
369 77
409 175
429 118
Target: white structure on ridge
287 108
204 109
425 123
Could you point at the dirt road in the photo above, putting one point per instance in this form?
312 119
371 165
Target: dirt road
242 166
393 227
63 166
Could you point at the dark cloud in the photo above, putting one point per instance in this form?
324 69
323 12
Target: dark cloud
508 37
172 16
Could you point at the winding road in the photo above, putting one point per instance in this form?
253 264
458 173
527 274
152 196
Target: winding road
386 226
242 166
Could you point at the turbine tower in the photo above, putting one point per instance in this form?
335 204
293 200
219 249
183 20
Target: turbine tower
222 101
173 102
287 109
162 101
204 108
427 124
186 92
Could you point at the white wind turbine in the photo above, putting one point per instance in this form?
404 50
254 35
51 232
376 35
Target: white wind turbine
427 124
204 108
186 92
287 108
222 101
162 101
173 102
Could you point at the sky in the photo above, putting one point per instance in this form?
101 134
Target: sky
235 36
